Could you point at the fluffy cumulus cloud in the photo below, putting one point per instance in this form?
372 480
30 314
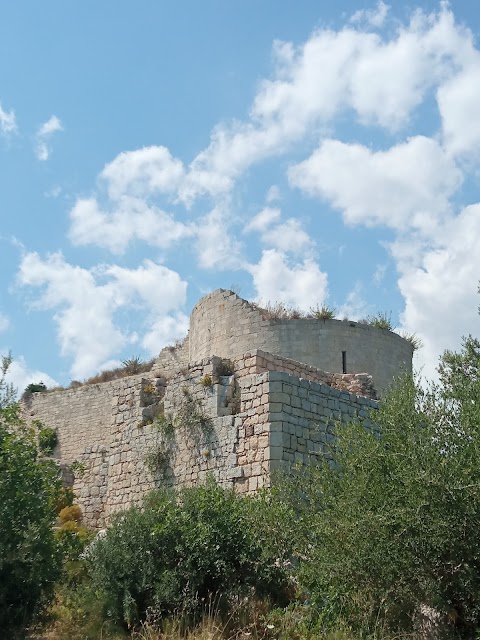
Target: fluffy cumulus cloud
85 302
458 100
142 173
407 186
288 236
8 122
299 284
373 17
131 218
44 135
407 181
439 285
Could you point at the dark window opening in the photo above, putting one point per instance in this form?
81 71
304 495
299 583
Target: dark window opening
344 361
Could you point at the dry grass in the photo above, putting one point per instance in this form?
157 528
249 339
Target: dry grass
117 373
278 311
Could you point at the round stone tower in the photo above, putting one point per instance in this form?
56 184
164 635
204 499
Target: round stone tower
225 325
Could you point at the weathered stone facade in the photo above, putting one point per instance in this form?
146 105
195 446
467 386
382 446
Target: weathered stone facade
239 419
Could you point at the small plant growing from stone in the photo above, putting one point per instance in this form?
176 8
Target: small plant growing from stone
278 311
380 320
207 381
78 468
414 340
322 313
165 424
132 365
149 389
157 460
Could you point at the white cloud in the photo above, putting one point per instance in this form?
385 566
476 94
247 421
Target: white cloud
8 123
288 236
382 80
355 306
52 125
374 17
20 375
142 173
379 274
44 133
299 284
439 284
4 322
130 219
458 102
85 302
216 248
273 194
263 219
164 330
406 187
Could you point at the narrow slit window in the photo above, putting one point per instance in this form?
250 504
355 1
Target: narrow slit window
344 361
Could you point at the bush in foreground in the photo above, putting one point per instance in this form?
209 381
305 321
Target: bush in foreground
29 558
181 552
393 525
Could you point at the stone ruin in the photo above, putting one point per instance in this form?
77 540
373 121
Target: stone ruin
242 397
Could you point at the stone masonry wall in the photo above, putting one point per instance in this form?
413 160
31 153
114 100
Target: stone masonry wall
222 323
302 418
239 427
172 358
259 361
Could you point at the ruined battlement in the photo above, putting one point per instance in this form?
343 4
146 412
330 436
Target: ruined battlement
241 397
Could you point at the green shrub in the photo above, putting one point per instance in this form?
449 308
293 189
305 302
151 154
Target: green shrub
47 440
29 558
322 313
35 387
181 551
393 525
71 513
64 498
380 320
72 539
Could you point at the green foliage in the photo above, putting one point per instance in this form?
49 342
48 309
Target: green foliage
47 440
414 340
64 498
29 559
133 365
7 391
322 313
393 523
72 539
380 320
37 387
180 552
78 468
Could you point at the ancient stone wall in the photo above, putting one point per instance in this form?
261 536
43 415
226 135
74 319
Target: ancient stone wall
240 397
222 323
173 358
131 435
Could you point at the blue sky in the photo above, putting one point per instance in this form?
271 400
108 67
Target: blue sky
310 153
